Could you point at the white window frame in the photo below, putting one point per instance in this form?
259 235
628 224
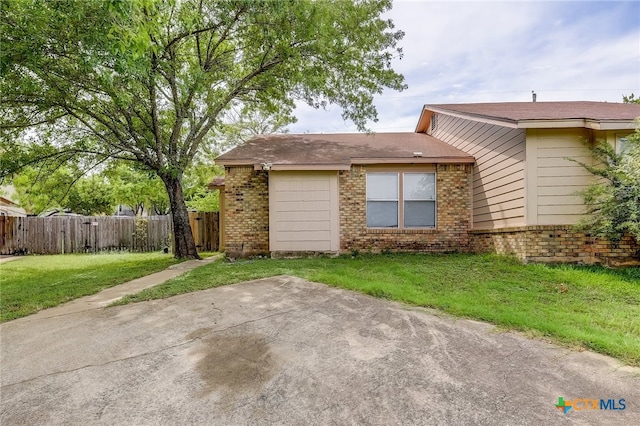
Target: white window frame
434 199
400 201
397 200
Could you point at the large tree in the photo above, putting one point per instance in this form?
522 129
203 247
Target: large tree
148 80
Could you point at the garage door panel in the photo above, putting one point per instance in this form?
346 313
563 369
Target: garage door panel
294 216
304 225
306 235
305 246
303 195
308 184
303 211
303 206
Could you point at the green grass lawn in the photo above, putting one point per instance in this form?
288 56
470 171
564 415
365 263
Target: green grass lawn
32 283
580 307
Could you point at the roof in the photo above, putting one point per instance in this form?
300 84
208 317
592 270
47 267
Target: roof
216 183
339 151
593 115
7 202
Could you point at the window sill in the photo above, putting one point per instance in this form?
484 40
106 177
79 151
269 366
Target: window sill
401 231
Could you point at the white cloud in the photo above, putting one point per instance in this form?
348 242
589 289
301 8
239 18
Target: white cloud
457 52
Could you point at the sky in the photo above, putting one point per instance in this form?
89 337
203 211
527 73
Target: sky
484 51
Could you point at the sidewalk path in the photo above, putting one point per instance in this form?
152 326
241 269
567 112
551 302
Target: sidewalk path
111 294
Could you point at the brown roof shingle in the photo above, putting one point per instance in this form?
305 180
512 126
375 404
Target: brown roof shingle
343 149
216 183
524 111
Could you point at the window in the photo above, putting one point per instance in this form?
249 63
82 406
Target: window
419 200
622 146
401 200
382 200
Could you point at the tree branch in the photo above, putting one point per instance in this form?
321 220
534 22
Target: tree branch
196 136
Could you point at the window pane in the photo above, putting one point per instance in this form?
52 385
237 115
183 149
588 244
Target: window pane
382 186
623 145
419 214
419 186
382 214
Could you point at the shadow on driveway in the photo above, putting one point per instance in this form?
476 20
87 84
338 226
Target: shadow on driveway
283 350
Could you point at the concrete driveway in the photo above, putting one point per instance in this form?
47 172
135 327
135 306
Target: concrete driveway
286 351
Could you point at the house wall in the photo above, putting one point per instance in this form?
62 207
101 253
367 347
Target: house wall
7 209
453 215
247 227
555 244
498 175
554 181
221 206
246 213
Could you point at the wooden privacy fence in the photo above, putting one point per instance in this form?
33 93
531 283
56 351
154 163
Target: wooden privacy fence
80 234
206 230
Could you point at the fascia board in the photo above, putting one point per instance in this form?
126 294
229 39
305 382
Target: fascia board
475 117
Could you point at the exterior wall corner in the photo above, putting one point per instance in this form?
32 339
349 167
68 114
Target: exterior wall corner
246 212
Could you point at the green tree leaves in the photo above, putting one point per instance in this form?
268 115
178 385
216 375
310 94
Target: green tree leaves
613 202
147 81
65 188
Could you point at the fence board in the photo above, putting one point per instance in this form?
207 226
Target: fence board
205 227
78 234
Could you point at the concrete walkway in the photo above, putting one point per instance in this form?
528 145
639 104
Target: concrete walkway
110 295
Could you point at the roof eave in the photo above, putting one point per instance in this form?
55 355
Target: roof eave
8 202
577 122
353 161
415 160
552 124
614 125
230 162
424 121
301 167
504 122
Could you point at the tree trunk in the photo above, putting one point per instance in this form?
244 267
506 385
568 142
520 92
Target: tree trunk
184 246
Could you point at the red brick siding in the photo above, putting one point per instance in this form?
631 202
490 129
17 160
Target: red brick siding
555 244
453 215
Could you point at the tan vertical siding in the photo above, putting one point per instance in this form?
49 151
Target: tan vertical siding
558 179
498 176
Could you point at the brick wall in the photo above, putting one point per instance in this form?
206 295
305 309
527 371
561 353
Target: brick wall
555 244
246 212
247 224
453 213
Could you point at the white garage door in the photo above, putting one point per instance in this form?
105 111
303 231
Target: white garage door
303 211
